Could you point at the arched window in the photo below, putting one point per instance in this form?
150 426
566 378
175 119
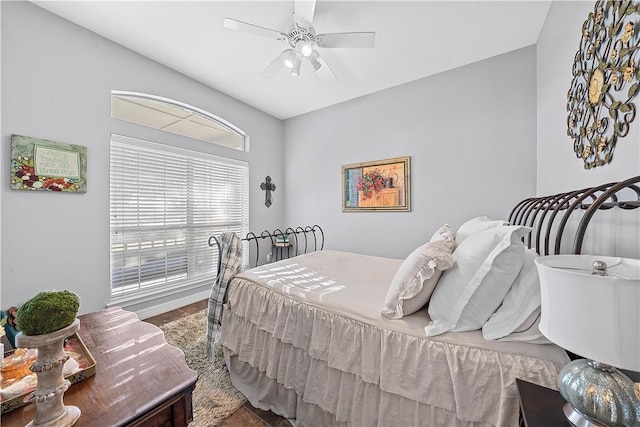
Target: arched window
176 117
165 201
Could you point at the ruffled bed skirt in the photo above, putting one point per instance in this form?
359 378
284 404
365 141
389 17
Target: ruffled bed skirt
387 410
303 362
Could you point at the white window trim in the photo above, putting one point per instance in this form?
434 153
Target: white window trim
152 145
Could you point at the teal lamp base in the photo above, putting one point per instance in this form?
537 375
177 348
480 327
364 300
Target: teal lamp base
598 395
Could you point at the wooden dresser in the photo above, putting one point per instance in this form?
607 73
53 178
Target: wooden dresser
140 380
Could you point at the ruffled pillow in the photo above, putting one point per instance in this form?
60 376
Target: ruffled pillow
485 266
416 278
444 233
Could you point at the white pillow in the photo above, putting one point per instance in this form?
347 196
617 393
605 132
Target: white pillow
444 233
476 224
416 278
522 300
485 265
529 331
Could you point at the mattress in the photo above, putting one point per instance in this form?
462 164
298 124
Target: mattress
304 337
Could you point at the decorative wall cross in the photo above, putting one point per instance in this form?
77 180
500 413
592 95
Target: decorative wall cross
267 186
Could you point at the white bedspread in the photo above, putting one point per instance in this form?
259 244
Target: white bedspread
312 325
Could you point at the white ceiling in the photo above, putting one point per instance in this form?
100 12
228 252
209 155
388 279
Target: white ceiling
414 39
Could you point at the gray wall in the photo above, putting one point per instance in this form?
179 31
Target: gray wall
471 135
558 167
480 138
56 84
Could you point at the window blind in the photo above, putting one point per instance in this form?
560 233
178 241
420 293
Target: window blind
165 203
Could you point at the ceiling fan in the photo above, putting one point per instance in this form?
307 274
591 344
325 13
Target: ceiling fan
303 40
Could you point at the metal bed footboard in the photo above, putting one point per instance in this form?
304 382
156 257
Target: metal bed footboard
281 244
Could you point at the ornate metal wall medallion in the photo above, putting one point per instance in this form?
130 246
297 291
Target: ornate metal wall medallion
605 81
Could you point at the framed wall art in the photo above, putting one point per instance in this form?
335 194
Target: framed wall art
41 165
606 79
381 185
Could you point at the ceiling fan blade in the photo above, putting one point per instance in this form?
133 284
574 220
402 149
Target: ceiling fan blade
274 66
234 24
323 71
347 40
303 10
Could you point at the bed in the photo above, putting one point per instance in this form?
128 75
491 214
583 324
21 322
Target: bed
322 337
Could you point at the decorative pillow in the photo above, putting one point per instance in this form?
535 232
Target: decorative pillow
444 233
416 278
522 300
476 224
485 265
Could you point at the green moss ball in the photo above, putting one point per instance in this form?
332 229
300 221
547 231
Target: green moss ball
47 312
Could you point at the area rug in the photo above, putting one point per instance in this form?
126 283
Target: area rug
214 398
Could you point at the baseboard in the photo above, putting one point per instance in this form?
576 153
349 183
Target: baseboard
155 310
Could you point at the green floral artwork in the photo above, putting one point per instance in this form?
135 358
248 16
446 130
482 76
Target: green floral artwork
38 164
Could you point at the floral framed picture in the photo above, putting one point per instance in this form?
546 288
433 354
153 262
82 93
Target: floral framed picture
381 185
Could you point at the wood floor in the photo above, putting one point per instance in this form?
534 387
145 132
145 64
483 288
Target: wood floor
247 415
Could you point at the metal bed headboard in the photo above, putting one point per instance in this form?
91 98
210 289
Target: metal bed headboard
535 212
540 213
306 235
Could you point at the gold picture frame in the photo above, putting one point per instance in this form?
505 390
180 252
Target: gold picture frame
380 185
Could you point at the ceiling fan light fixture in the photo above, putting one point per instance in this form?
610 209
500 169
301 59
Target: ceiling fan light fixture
304 48
289 58
296 66
315 64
